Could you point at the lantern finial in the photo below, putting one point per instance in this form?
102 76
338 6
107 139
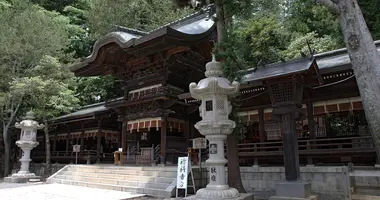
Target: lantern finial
214 68
29 115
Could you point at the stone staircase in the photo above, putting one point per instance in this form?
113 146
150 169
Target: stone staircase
153 181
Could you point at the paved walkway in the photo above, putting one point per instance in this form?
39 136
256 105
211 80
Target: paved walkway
59 192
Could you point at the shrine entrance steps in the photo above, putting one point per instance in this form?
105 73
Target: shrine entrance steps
153 181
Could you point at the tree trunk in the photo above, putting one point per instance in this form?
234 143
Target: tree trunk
234 176
365 62
6 151
219 21
47 147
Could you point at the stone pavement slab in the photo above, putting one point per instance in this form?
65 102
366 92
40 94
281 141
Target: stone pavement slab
62 192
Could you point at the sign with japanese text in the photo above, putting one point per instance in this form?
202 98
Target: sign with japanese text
76 148
199 143
182 173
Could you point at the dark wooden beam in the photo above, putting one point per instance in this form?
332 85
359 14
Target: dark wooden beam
98 140
193 65
261 125
82 137
163 140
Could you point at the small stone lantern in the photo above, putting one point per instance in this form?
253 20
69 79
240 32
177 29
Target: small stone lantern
27 142
215 126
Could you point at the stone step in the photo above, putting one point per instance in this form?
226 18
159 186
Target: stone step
364 197
125 172
121 177
113 167
114 182
147 191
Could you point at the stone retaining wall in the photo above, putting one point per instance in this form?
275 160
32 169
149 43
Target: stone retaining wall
327 182
39 169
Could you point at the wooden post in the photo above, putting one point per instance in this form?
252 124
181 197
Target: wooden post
118 142
290 143
186 131
124 127
82 138
261 125
124 135
163 140
98 140
310 120
55 142
67 141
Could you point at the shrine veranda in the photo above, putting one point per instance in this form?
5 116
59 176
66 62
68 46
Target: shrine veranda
154 121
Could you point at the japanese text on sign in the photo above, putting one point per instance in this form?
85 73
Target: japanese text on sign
182 172
213 172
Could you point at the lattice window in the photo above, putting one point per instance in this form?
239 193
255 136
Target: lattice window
320 128
220 104
282 92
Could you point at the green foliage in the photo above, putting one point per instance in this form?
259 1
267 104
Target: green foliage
28 34
305 16
266 38
96 89
52 94
300 44
138 14
370 9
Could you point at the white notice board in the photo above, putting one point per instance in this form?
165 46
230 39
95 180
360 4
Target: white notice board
76 148
182 172
199 143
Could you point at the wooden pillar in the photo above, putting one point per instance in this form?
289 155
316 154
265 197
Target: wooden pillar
186 131
261 125
98 140
163 140
123 137
310 120
82 138
290 143
124 132
120 126
55 142
67 141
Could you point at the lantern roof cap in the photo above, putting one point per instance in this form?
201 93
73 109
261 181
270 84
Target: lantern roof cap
214 83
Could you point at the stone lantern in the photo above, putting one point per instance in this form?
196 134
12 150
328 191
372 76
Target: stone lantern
27 142
215 126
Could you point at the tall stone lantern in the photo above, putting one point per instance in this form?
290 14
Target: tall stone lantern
215 126
27 142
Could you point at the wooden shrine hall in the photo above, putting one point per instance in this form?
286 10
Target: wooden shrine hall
333 128
154 121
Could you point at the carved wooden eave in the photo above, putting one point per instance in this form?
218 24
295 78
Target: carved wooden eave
188 31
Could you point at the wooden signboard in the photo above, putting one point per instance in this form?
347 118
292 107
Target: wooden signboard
184 168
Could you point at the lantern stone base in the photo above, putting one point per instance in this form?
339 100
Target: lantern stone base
20 177
293 191
242 196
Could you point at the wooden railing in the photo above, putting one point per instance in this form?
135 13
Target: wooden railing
309 146
310 149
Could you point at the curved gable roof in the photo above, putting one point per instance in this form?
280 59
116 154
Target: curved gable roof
191 27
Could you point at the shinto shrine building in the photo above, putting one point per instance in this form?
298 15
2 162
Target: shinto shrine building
154 120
